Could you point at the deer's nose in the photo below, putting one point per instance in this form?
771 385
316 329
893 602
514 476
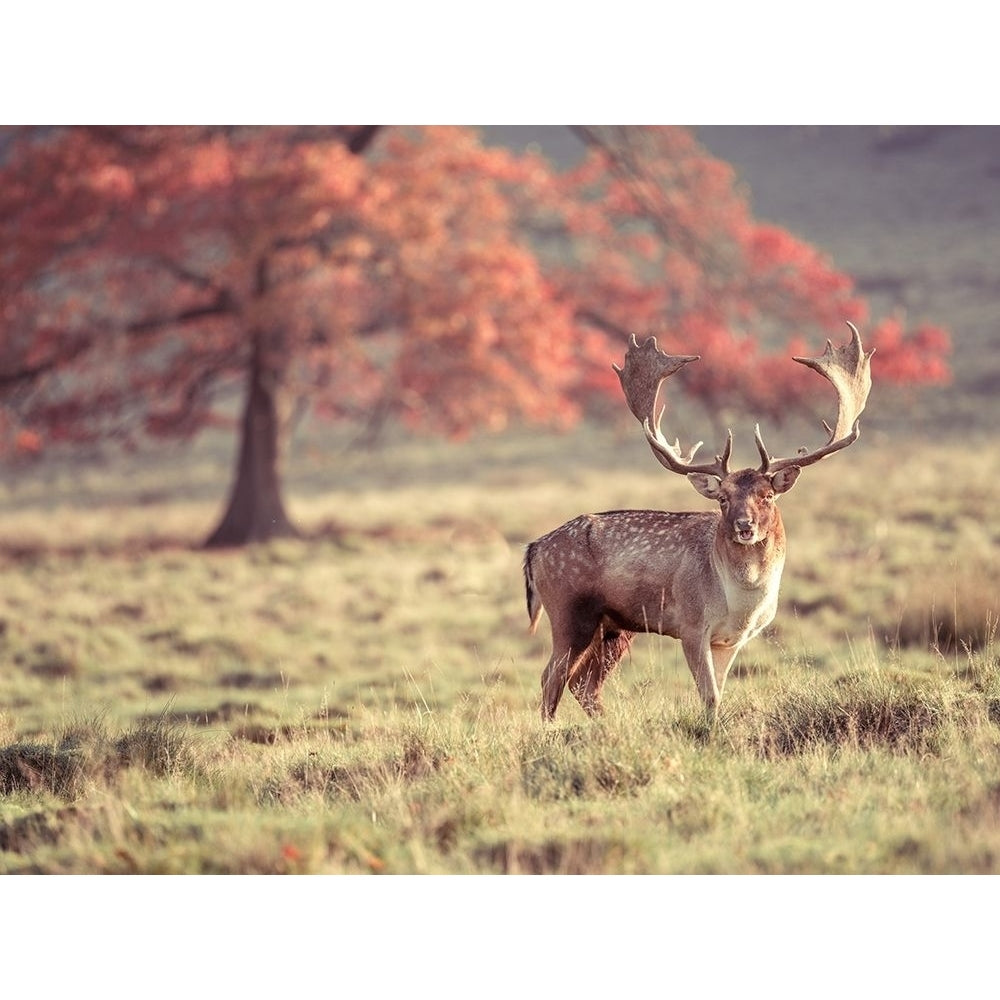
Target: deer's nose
743 524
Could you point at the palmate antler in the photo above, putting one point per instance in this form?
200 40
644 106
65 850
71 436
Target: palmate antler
848 367
642 374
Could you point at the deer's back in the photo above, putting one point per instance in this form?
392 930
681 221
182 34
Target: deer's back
636 561
625 536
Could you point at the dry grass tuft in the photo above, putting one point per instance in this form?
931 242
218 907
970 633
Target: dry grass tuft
86 754
576 856
950 611
26 833
159 746
863 711
34 767
583 762
417 758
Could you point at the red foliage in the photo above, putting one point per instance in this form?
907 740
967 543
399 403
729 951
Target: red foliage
916 358
434 279
663 242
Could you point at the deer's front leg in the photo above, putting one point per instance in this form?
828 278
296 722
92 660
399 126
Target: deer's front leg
722 660
698 653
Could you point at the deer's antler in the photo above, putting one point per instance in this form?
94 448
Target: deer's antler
848 367
642 374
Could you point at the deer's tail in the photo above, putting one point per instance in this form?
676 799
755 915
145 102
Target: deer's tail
531 595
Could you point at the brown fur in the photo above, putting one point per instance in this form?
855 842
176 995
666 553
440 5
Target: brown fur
604 577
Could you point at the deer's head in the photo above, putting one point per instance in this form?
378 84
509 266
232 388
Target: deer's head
747 497
747 500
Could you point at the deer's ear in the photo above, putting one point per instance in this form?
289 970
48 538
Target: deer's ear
708 486
784 480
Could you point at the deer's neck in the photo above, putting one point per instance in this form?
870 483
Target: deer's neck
752 567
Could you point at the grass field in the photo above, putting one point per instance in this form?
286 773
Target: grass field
366 699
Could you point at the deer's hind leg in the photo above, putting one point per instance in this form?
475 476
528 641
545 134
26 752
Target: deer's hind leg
605 654
575 643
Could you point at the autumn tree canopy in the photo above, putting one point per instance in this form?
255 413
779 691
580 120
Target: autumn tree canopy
678 253
385 273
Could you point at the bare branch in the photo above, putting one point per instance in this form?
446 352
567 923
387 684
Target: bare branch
222 306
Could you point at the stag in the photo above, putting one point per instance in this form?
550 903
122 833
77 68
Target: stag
707 578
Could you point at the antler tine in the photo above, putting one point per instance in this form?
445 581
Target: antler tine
848 367
643 372
765 458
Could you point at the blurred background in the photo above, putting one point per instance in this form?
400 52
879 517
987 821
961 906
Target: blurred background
161 283
910 212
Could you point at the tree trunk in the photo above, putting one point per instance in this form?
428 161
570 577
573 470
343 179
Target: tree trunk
256 511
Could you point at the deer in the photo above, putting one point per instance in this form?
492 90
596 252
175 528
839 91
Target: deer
708 578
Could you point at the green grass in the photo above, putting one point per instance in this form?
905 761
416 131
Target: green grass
366 699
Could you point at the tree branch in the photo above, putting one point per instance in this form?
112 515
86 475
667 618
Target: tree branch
362 138
29 374
183 273
222 306
601 322
25 376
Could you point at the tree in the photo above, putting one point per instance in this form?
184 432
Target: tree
403 273
680 254
175 260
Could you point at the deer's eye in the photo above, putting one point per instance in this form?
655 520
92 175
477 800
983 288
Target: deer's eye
724 503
